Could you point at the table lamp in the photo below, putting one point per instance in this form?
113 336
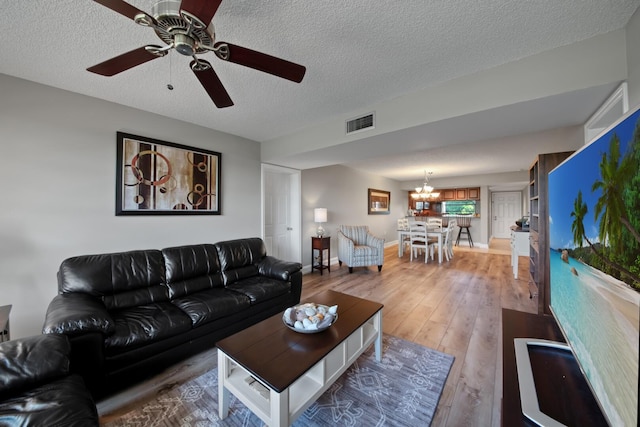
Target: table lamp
320 216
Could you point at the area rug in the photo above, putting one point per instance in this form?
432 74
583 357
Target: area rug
401 390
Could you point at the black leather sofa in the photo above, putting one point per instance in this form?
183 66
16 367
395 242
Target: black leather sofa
130 315
36 387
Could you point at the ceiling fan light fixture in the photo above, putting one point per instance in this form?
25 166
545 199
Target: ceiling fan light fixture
184 44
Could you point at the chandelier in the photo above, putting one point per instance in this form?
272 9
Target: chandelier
426 191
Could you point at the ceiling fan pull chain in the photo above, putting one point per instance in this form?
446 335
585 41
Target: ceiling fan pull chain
170 85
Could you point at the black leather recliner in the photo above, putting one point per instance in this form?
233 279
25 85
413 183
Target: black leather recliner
36 387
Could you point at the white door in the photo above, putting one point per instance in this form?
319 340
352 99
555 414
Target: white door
506 209
281 212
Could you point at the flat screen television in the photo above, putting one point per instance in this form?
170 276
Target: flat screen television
594 236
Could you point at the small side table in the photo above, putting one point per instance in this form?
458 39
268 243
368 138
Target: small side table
318 246
5 334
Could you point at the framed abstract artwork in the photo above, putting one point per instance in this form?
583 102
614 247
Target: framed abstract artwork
162 178
379 202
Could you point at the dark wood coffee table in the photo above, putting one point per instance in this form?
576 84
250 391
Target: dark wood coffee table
278 373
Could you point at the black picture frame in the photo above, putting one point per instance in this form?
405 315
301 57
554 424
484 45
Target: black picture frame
155 177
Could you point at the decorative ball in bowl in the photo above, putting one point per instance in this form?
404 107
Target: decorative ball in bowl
310 318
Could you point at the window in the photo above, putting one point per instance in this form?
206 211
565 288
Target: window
459 207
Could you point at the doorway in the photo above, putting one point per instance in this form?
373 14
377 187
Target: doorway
506 209
281 220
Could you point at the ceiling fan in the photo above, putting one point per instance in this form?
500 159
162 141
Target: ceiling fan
186 27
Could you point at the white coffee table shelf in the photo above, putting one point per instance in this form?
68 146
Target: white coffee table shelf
281 409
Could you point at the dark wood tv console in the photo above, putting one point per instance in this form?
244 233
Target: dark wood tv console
563 392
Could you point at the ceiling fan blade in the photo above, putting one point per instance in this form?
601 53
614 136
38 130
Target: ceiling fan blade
122 7
211 83
201 9
261 62
126 61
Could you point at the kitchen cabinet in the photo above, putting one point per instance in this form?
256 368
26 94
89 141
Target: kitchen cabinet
459 193
462 194
447 194
474 193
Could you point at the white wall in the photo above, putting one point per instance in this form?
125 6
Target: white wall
556 71
633 59
58 169
343 191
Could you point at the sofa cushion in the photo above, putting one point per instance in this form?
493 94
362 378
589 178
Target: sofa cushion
205 306
239 259
123 279
260 288
61 403
31 361
135 326
191 269
365 251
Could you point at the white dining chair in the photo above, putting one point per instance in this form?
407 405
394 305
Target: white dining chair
403 225
420 241
448 240
433 222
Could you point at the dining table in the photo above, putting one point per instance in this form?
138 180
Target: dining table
437 232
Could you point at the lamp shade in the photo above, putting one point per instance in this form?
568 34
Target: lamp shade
320 215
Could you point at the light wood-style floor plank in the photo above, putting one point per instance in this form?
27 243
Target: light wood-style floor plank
454 307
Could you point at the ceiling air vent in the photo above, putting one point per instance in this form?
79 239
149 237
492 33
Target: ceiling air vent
361 123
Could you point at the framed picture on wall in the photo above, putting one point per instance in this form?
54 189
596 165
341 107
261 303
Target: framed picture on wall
162 178
379 202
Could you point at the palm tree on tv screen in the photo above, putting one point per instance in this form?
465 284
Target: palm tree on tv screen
619 247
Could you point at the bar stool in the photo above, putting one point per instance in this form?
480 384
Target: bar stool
464 222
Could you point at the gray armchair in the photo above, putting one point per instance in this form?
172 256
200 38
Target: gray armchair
359 248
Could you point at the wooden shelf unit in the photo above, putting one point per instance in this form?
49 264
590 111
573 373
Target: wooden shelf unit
539 227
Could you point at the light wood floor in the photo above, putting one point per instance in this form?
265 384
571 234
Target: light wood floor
454 307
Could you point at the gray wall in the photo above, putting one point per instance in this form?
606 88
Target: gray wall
58 190
343 191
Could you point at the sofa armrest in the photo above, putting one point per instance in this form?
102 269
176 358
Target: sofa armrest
278 269
345 248
374 241
76 313
30 361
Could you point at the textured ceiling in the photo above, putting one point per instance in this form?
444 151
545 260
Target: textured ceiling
357 53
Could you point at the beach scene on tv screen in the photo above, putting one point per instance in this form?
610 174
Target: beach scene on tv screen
594 232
